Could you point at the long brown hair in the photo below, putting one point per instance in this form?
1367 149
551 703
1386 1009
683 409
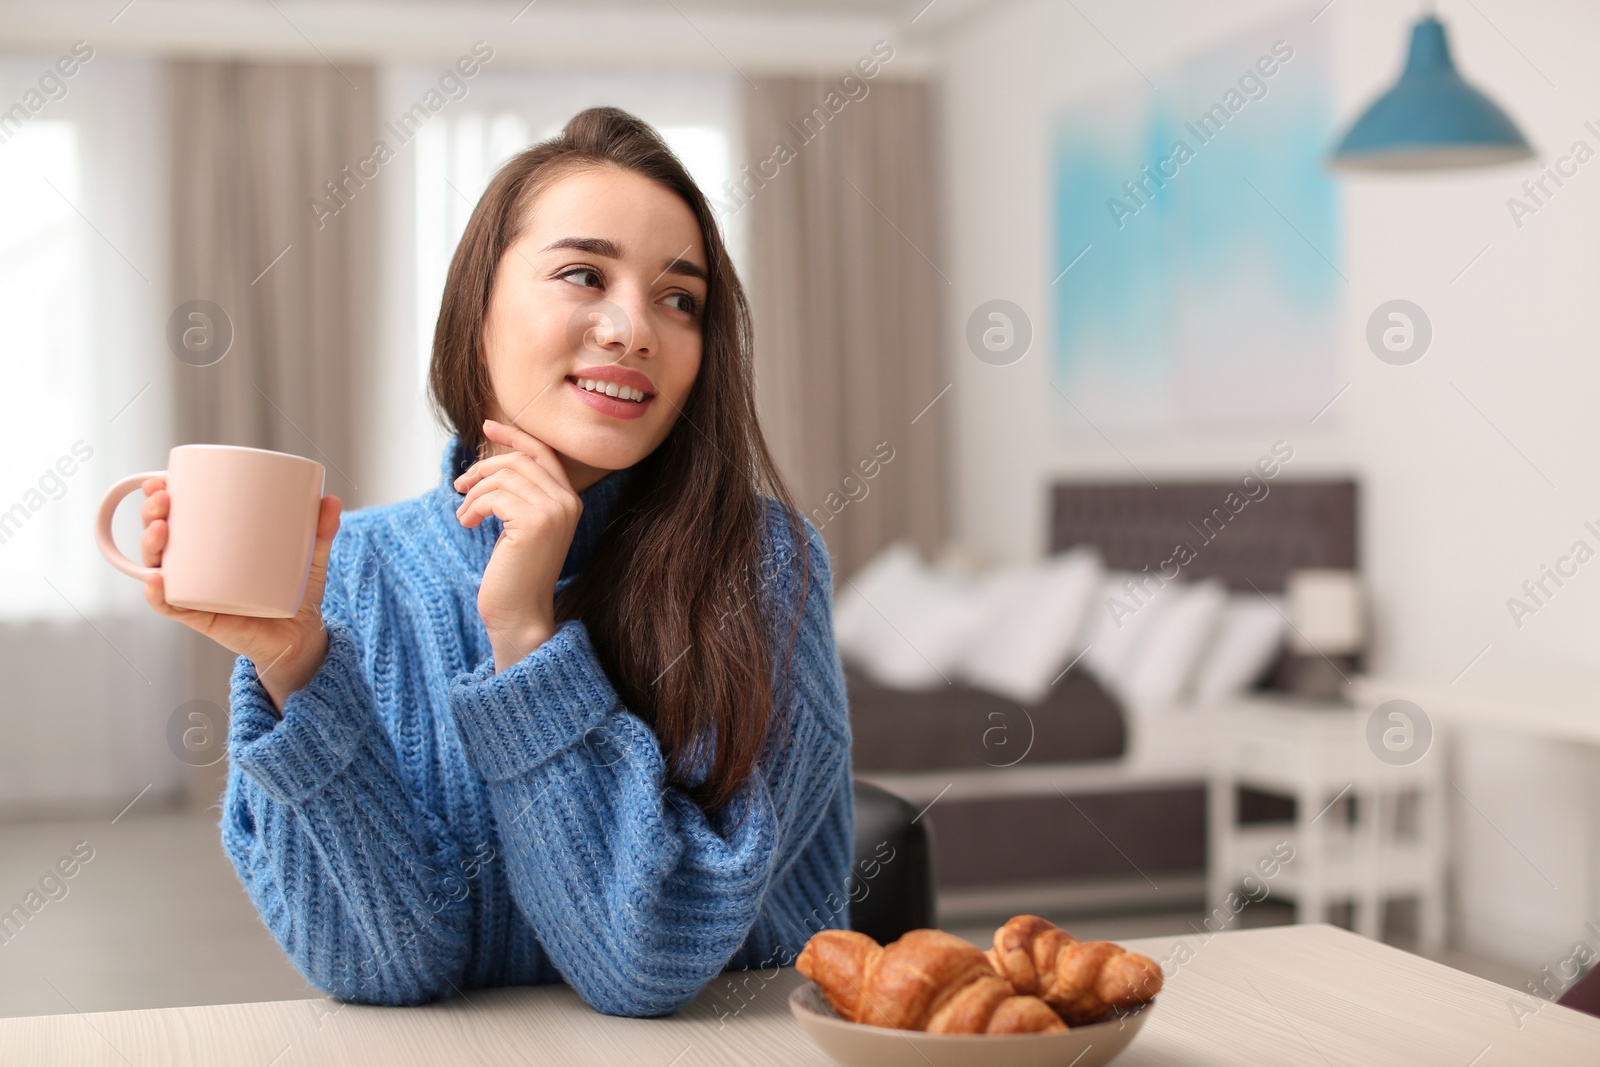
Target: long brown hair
665 595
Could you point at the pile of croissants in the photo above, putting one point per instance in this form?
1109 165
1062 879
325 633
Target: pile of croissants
1037 978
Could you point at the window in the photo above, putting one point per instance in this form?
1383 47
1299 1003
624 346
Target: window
82 294
455 160
44 302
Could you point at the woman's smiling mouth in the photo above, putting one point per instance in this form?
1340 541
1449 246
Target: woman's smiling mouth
610 397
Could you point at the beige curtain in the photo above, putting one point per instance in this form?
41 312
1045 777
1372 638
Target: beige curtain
258 232
253 148
849 291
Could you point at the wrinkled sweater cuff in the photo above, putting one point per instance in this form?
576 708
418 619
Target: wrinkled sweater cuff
324 723
547 701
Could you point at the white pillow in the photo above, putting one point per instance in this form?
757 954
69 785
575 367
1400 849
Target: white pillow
854 622
1248 638
1163 662
1032 623
1117 619
902 623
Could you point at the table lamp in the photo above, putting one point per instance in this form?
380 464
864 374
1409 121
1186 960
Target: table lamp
1327 630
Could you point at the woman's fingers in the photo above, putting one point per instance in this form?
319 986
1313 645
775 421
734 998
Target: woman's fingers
510 482
504 476
153 513
519 464
328 517
156 499
515 437
515 504
508 506
153 542
155 593
530 476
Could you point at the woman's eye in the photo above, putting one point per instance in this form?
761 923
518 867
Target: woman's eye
584 273
688 302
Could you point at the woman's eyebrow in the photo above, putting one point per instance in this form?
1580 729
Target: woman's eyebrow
686 268
601 246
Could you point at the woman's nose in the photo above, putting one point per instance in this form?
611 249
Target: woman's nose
623 326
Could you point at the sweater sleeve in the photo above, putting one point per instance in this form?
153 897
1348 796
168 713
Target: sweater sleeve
638 897
357 881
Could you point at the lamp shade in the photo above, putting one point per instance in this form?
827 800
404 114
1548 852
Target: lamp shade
1431 119
1325 609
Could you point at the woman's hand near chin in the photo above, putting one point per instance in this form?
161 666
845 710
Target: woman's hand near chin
286 652
528 489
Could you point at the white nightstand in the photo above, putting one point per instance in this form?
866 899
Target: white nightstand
1389 845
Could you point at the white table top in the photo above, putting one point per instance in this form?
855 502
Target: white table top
1286 996
1561 708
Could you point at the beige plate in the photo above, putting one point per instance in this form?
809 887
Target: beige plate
858 1045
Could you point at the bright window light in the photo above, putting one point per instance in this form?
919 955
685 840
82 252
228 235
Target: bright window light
44 303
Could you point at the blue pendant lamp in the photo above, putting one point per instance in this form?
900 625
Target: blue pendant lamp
1431 119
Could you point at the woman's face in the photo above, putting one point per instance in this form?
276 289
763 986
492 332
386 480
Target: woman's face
602 294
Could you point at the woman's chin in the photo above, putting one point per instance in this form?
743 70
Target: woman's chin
604 455
600 447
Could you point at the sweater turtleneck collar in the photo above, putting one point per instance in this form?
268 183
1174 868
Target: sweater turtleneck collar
599 503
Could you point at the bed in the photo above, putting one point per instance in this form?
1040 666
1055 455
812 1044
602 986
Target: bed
1074 802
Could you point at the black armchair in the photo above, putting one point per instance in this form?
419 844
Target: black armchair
1583 995
893 875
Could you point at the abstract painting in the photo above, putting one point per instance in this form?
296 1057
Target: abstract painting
1195 246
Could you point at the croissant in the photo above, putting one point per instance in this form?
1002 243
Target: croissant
1081 980
925 980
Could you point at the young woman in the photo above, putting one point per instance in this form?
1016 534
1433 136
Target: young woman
576 714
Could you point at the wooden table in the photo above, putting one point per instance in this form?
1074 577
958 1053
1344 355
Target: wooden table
1314 995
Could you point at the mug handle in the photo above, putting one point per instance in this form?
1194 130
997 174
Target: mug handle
102 526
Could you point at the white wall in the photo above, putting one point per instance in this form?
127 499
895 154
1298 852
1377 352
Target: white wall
1454 518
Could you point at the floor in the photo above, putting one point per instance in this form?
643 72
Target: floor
155 917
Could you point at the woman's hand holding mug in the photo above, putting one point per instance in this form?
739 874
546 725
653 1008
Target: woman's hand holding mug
235 546
528 489
286 652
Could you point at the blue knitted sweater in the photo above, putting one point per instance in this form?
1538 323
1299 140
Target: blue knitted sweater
417 825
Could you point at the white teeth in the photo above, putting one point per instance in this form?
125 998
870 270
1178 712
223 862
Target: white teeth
621 392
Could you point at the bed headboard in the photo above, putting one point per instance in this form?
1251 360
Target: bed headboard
1296 524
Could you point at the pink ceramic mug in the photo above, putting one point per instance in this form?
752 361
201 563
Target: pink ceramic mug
240 530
